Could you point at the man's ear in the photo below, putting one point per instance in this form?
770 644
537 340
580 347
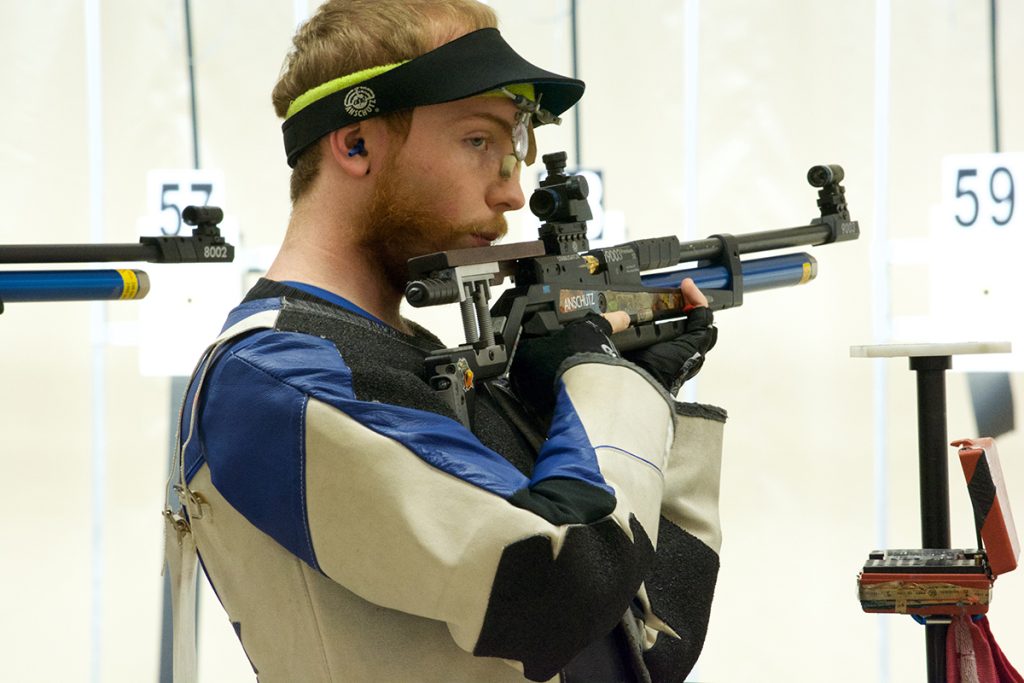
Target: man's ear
349 150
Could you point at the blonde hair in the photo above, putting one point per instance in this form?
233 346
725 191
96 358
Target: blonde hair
345 36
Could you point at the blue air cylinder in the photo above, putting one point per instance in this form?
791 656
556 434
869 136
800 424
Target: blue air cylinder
72 285
763 273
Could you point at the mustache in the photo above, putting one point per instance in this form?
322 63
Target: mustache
493 229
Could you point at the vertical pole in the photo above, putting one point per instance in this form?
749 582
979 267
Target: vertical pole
192 84
934 475
933 449
691 111
98 330
179 386
880 307
993 45
575 74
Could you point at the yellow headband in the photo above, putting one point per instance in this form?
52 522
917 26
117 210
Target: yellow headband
324 89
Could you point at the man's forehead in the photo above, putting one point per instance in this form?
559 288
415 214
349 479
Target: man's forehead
499 110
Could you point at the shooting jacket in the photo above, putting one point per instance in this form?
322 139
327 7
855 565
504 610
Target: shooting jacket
354 530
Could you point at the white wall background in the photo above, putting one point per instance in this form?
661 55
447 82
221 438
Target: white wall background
780 87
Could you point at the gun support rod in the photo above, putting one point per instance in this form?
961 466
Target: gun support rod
73 285
758 274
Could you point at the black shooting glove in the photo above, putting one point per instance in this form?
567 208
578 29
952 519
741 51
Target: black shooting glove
537 359
675 361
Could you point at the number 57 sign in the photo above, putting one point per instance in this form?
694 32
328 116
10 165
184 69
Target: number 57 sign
187 301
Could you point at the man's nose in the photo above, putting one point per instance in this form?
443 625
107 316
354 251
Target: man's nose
506 194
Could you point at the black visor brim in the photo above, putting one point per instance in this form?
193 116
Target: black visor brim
477 63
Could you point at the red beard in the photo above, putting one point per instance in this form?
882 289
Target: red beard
400 225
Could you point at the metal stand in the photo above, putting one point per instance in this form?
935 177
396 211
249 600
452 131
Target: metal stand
930 362
932 447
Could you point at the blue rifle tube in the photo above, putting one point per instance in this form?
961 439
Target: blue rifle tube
758 274
72 285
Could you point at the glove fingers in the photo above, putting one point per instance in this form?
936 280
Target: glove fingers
677 360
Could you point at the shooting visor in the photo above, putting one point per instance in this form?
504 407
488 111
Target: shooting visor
478 63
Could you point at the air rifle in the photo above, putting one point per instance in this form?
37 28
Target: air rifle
205 245
558 278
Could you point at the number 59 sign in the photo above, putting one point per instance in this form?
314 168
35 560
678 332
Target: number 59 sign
979 190
976 241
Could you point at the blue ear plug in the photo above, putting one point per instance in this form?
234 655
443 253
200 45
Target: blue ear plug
358 149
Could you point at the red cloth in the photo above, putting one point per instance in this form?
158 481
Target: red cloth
972 655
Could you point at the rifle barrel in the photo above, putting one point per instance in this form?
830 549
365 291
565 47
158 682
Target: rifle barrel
783 239
78 253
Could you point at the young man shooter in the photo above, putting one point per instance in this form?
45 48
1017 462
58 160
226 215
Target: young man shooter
353 529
